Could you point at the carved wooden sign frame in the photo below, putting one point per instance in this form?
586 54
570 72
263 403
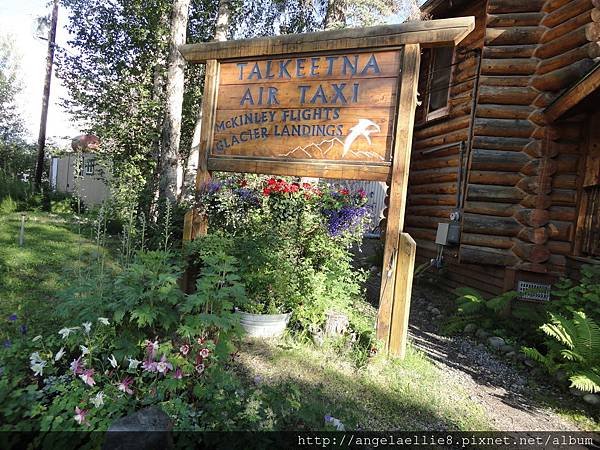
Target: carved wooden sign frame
334 104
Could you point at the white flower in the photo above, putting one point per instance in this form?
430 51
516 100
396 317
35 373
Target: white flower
103 321
84 350
87 326
67 331
37 338
59 354
35 358
112 360
133 363
38 367
98 400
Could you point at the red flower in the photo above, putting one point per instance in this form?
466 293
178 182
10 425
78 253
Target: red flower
271 181
266 191
306 186
294 187
243 183
344 191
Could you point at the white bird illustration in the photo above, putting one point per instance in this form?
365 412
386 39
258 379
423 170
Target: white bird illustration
364 127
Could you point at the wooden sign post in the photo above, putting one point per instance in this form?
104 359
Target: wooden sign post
334 104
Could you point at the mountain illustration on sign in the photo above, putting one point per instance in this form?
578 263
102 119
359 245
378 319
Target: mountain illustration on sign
328 147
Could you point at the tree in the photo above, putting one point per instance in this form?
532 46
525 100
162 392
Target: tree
170 161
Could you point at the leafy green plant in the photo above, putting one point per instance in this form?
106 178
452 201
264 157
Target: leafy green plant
570 296
574 346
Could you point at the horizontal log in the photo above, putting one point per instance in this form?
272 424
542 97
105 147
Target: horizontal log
443 127
429 211
435 141
514 19
567 163
509 51
493 177
507 81
534 235
562 78
563 213
429 199
567 42
513 35
564 197
531 252
574 22
501 143
421 222
545 167
536 201
535 185
533 217
498 160
590 50
538 118
421 233
535 149
553 5
514 6
560 230
566 12
564 181
485 255
510 66
507 95
491 209
437 188
532 267
474 274
558 263
559 247
503 111
486 240
493 225
435 163
492 193
503 127
432 176
544 99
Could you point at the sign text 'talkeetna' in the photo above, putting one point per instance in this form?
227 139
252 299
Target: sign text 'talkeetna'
337 107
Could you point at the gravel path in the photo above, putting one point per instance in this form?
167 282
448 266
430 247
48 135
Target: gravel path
499 386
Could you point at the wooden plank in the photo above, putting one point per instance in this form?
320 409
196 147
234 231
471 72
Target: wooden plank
351 66
407 249
573 96
399 183
428 33
359 171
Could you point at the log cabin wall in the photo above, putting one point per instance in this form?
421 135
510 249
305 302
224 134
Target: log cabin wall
521 195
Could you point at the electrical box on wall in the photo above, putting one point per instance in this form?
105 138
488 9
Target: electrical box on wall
448 233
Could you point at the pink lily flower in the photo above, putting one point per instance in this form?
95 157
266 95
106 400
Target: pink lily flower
77 366
125 385
80 416
204 352
88 377
184 349
164 366
151 348
200 368
149 365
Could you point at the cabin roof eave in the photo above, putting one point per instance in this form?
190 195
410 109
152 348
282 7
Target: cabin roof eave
573 96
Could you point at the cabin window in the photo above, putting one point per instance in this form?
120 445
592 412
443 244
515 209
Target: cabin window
89 166
436 90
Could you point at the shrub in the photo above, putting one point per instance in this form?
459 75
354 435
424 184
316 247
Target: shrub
8 205
573 346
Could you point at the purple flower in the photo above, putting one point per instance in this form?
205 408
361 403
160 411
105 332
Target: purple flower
88 377
77 366
80 416
151 348
7 344
178 374
257 379
163 366
149 365
125 385
23 329
328 418
12 317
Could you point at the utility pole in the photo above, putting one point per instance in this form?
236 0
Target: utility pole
41 144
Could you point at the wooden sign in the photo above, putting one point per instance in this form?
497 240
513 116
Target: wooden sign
334 104
337 107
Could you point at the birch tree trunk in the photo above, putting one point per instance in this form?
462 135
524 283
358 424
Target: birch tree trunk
223 22
171 134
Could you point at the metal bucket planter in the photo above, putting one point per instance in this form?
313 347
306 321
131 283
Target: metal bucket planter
264 325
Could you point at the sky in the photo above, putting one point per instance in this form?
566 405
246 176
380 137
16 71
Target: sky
17 18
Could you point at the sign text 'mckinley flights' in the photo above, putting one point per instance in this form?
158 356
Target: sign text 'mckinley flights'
328 107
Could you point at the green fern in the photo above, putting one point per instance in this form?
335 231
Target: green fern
587 381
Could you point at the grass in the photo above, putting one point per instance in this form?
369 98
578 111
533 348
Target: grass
31 276
383 395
